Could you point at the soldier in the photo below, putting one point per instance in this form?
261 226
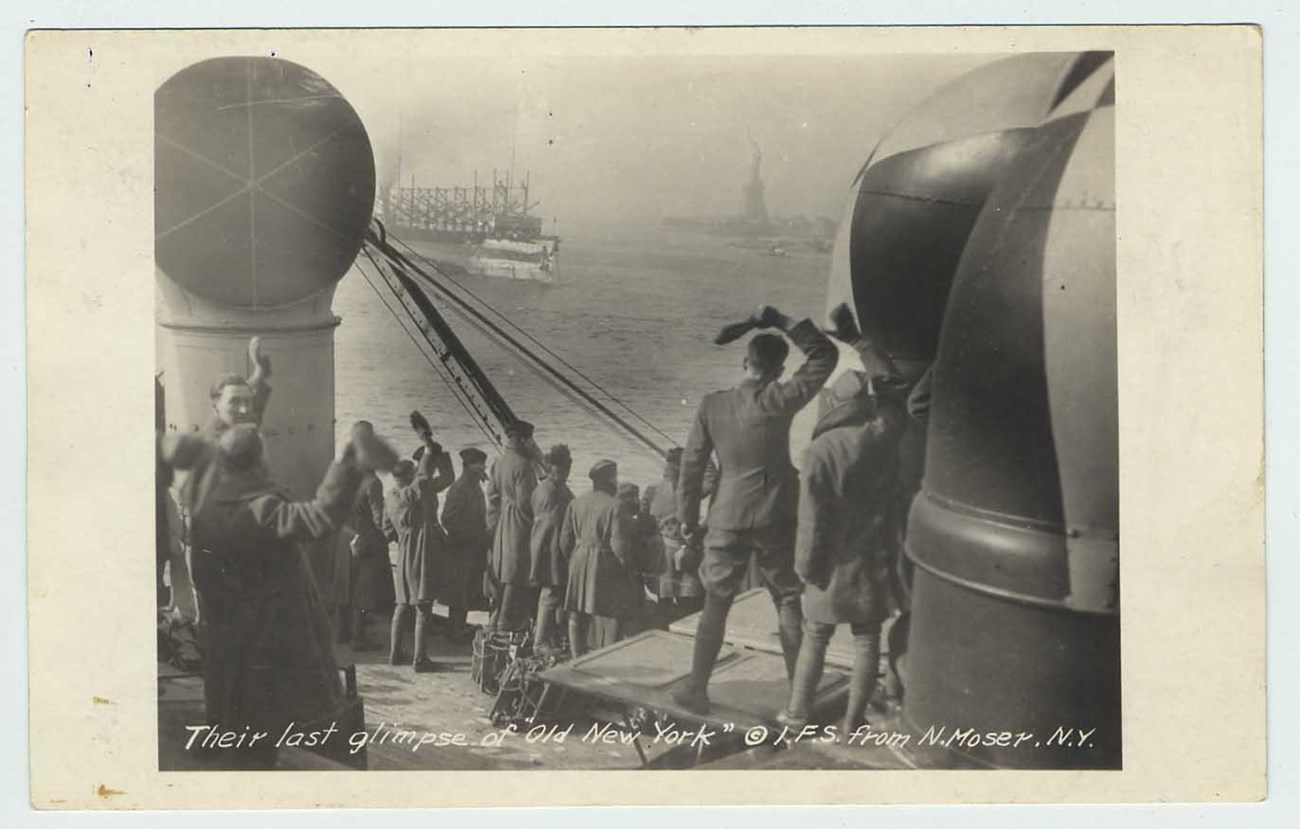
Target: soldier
597 541
644 561
267 655
234 400
677 586
510 519
549 574
413 522
464 517
753 512
370 578
850 514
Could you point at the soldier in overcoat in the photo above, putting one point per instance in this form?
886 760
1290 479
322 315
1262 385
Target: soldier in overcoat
851 510
550 575
464 517
598 542
370 578
510 518
412 520
266 639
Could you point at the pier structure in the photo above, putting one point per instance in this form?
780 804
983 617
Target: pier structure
500 209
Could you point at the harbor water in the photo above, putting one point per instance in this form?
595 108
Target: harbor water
636 311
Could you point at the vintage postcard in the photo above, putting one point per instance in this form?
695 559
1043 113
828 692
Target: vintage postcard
799 415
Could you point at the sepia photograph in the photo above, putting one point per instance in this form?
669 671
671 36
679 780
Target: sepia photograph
644 417
638 413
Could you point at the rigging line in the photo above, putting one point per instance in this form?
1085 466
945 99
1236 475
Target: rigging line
474 417
502 337
559 381
471 374
462 397
398 258
487 393
447 276
542 346
521 349
550 381
564 391
388 306
524 352
457 392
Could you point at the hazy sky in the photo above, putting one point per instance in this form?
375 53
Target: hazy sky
634 139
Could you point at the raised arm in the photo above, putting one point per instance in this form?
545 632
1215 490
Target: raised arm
875 360
257 381
189 452
435 472
820 355
319 517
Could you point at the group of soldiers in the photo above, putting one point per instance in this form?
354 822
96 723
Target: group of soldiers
545 560
539 555
822 544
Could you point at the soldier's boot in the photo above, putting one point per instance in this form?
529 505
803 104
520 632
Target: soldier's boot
862 683
577 634
544 631
694 694
396 653
807 673
789 615
508 617
423 622
896 678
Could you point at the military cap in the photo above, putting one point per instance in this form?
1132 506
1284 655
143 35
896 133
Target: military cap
472 455
629 492
520 429
603 469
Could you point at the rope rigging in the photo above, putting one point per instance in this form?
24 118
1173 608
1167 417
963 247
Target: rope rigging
539 344
436 359
406 272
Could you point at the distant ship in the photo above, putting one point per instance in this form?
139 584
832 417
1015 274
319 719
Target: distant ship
479 230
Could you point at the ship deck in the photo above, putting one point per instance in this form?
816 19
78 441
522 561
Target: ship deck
637 673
